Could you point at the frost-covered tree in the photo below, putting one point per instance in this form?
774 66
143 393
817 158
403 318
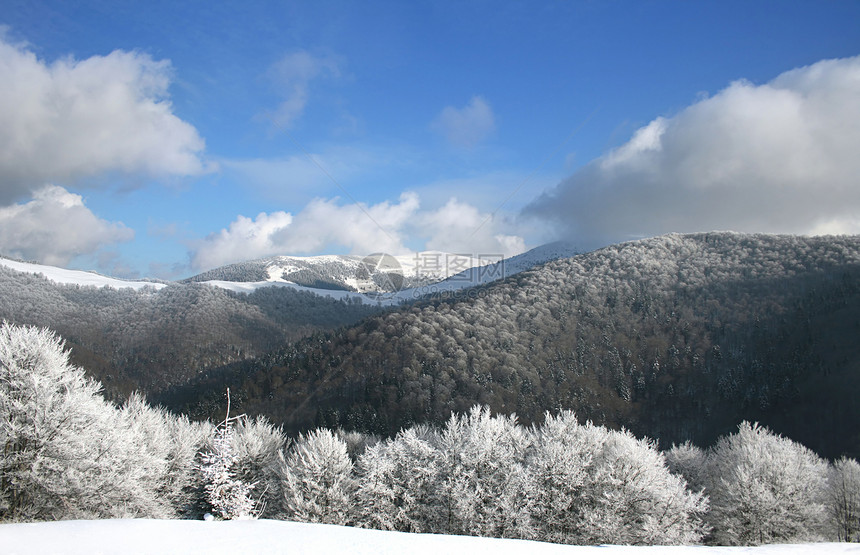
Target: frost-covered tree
764 488
843 499
317 480
559 464
596 485
485 484
227 494
689 461
163 448
65 451
356 442
256 445
399 485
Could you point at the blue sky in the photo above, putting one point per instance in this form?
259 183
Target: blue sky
163 138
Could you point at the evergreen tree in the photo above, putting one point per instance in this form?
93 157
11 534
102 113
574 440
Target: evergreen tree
227 494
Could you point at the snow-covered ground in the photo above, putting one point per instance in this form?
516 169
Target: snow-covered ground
76 277
269 536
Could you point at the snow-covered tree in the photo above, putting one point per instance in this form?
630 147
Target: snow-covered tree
764 488
843 499
596 485
485 484
163 448
64 449
256 445
689 461
559 464
317 480
228 495
399 485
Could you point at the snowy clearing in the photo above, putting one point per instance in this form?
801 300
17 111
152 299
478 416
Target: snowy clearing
270 536
77 277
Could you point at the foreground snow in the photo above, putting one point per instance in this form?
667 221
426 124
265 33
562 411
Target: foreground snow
269 536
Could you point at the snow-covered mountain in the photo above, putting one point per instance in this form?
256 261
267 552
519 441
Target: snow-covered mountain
78 277
373 273
379 278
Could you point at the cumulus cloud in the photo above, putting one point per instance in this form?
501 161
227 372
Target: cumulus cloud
777 157
322 223
71 119
456 227
292 75
467 126
54 227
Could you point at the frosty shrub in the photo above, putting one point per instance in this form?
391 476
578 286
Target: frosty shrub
399 486
485 486
764 488
66 453
317 479
228 495
843 499
594 485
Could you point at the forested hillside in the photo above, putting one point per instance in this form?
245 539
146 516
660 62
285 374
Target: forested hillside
151 339
677 337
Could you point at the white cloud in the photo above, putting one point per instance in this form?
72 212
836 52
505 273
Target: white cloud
360 229
459 227
322 223
292 75
72 119
777 157
467 126
54 227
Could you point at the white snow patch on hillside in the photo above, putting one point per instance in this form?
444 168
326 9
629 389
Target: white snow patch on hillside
269 536
485 271
76 277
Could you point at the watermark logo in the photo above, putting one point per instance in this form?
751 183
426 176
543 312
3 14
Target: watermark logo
379 276
458 267
429 274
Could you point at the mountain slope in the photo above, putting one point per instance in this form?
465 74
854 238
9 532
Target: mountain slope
77 277
152 335
678 337
161 335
